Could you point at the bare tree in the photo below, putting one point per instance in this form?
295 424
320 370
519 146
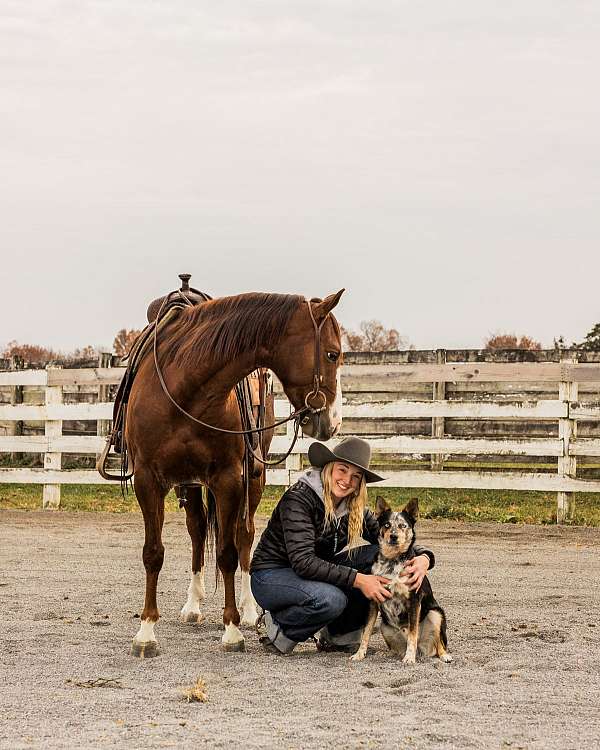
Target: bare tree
373 337
29 352
42 355
510 341
124 341
87 352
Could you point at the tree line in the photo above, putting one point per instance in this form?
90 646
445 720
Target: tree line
371 336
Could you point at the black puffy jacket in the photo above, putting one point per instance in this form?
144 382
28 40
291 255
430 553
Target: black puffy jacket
295 538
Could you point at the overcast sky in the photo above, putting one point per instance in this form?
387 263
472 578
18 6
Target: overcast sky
439 160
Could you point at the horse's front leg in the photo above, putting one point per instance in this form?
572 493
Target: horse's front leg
151 497
229 496
245 537
196 520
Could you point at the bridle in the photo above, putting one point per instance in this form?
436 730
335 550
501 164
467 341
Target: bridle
300 416
316 391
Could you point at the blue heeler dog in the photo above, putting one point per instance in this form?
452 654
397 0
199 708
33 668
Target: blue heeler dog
410 619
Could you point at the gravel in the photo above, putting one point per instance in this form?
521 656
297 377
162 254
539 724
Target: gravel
523 611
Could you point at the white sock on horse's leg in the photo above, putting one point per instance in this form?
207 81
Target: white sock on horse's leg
232 639
144 643
247 606
190 612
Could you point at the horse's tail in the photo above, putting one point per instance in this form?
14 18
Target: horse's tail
212 528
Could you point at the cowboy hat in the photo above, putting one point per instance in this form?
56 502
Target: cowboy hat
352 450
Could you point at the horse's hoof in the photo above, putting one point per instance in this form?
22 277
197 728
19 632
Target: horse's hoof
237 646
193 618
147 650
249 619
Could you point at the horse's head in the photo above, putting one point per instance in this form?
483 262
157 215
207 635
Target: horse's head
307 363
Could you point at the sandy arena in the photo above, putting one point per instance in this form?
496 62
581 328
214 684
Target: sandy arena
524 623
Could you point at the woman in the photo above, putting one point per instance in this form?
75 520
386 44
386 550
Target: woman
309 572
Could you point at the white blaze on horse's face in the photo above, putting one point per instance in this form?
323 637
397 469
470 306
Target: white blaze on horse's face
335 410
324 424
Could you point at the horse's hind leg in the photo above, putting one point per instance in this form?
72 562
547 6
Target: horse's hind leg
245 537
151 497
229 495
195 517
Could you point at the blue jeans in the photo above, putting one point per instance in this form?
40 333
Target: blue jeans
297 608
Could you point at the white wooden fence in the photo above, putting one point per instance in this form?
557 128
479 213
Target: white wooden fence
566 410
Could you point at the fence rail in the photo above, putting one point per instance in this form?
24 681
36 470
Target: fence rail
361 381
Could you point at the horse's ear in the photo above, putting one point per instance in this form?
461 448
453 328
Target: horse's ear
381 506
412 509
322 309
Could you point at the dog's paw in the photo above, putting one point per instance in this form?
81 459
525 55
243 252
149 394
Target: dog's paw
446 658
409 659
358 656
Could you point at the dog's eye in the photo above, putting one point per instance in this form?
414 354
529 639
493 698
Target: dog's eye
387 525
333 356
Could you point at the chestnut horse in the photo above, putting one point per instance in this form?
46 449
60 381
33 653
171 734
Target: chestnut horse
202 353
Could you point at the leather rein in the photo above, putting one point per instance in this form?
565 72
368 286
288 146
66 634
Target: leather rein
300 416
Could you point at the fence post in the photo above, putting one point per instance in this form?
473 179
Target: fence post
567 464
294 461
103 425
52 460
16 428
438 423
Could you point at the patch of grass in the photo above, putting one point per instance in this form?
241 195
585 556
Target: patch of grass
77 497
499 506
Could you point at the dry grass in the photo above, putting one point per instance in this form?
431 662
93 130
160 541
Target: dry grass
99 682
196 693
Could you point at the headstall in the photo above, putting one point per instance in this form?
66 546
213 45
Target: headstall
301 416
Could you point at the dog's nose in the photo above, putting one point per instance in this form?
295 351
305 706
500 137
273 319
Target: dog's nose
393 539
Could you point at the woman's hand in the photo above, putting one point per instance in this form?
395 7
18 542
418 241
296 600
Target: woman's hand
414 572
373 587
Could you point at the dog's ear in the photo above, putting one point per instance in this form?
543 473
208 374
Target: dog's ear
381 506
412 509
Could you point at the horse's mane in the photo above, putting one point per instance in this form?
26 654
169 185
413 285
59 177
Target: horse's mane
226 327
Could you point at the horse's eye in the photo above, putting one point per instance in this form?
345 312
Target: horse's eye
333 356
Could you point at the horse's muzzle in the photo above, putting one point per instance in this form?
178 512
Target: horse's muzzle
320 426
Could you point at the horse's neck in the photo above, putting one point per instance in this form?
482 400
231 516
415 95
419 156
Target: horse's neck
230 373
218 379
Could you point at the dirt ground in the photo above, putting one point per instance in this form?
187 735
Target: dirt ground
524 623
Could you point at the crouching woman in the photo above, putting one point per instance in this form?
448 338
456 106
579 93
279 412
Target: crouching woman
311 569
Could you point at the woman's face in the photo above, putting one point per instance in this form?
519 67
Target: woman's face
345 479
